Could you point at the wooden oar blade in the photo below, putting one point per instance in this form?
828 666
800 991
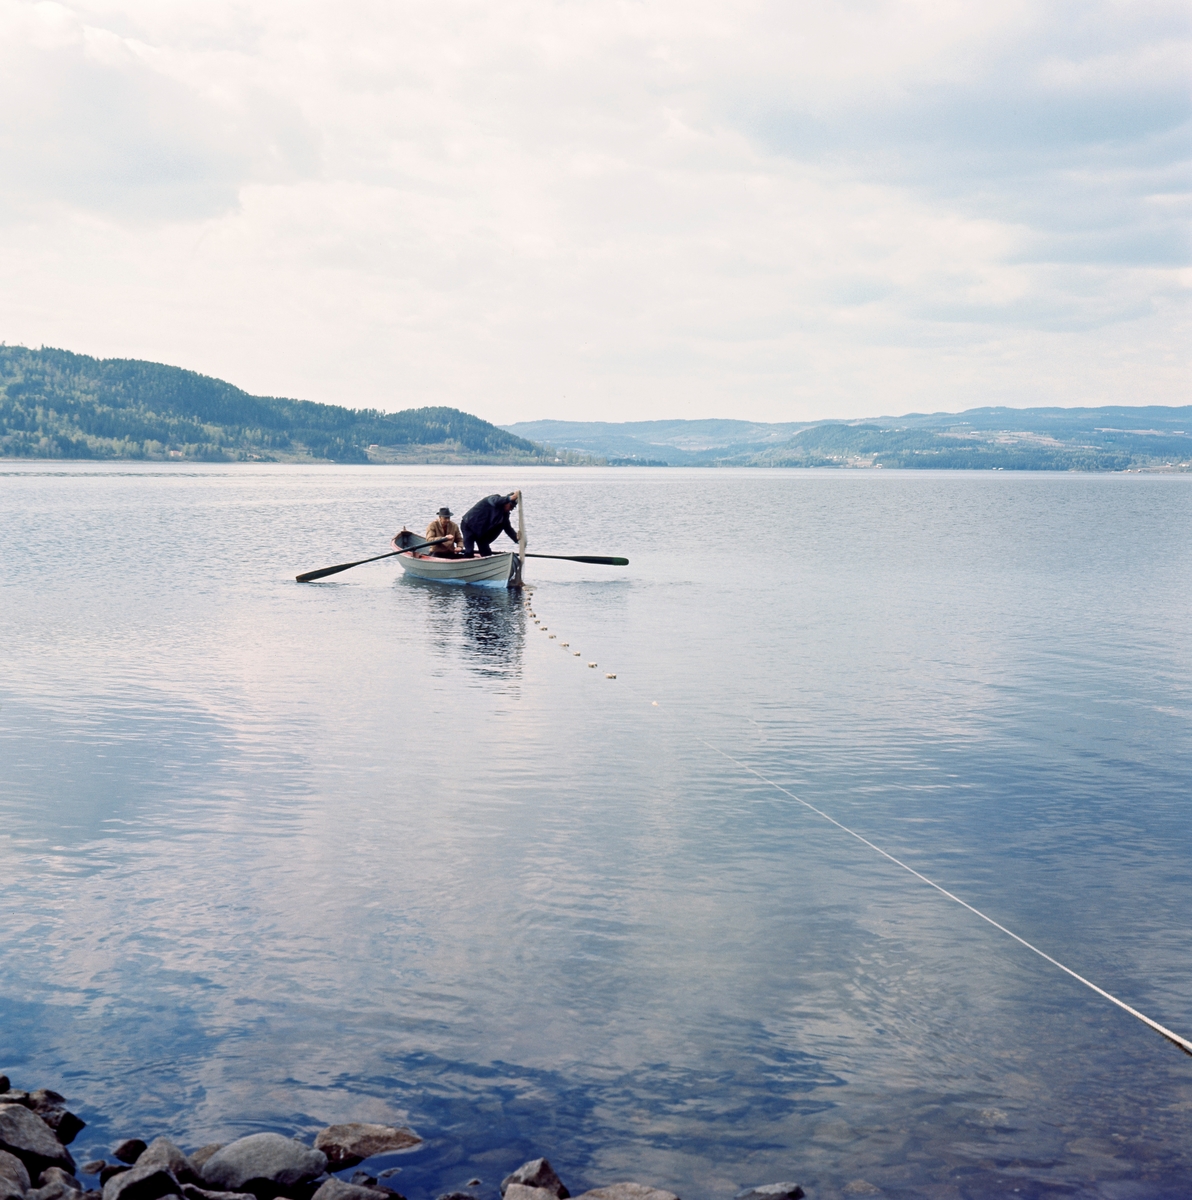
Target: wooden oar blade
308 576
599 559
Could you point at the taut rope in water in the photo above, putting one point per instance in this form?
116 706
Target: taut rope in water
1174 1038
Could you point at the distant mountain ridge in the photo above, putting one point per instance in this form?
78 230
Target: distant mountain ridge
55 404
1111 438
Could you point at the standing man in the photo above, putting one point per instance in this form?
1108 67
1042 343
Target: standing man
482 522
444 526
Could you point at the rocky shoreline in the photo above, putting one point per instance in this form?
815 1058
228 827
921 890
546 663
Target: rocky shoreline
37 1127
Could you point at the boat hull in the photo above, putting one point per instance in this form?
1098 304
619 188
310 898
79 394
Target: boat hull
495 568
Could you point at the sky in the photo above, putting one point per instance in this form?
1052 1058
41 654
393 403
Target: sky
602 210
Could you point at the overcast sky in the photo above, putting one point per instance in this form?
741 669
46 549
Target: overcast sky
593 209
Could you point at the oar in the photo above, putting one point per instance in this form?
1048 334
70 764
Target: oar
585 558
309 576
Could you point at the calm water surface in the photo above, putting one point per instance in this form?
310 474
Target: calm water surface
274 856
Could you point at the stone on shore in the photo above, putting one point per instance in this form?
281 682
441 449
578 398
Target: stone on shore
347 1145
129 1150
14 1177
65 1124
161 1152
93 1167
58 1175
194 1192
519 1191
262 1163
772 1191
5 1084
627 1191
199 1158
149 1182
106 1172
336 1189
26 1135
537 1173
51 1191
55 1188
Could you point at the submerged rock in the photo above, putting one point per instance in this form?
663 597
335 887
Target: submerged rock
93 1167
26 1135
14 1177
263 1163
347 1145
772 1191
149 1182
537 1173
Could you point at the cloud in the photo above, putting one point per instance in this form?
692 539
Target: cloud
545 208
99 123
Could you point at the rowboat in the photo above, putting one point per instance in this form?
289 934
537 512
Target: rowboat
493 568
503 568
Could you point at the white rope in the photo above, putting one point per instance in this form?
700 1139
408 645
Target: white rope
1174 1038
1162 1030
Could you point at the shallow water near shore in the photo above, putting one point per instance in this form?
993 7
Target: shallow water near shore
277 855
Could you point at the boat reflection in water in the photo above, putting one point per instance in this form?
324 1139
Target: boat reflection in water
483 627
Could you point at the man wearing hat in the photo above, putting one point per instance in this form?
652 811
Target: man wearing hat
486 519
444 526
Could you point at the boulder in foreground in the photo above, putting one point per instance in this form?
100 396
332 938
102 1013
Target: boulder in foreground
26 1135
336 1189
627 1191
14 1177
263 1163
198 1160
161 1152
519 1191
149 1182
347 1145
537 1173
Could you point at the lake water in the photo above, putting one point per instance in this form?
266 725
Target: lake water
274 856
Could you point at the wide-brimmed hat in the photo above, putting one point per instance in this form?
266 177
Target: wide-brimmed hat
444 511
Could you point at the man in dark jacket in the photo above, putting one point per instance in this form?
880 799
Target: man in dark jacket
484 521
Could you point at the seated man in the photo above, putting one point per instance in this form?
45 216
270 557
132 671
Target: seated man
444 526
483 521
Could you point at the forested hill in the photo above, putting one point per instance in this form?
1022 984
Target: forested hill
55 404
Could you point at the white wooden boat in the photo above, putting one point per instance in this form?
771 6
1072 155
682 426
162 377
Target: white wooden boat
490 568
495 568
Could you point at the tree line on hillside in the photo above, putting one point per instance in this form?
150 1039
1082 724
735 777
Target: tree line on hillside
56 404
